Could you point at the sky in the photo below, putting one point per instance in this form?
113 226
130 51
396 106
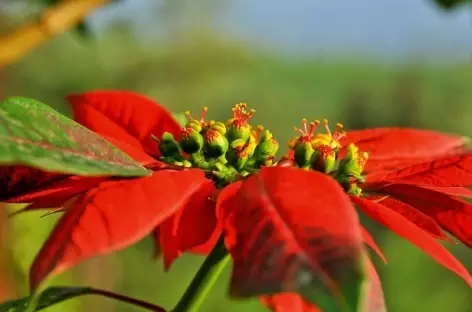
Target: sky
377 28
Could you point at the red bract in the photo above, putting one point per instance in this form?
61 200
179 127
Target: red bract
393 148
290 230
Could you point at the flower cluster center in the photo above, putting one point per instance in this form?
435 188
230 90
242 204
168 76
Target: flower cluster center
321 152
225 151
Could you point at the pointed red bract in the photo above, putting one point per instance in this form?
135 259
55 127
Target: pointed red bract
288 302
419 218
17 181
393 148
408 230
192 228
369 240
451 191
283 223
375 300
124 115
134 152
66 188
445 172
113 216
452 214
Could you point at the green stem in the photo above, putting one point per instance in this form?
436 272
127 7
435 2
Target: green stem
204 280
33 303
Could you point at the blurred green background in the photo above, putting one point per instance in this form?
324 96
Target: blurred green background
177 53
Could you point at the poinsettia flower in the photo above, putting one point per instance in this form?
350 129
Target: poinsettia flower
288 230
411 148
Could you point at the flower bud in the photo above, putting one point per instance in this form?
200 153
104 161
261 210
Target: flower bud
302 154
266 149
196 124
323 159
218 126
215 144
238 153
190 140
168 146
353 163
238 127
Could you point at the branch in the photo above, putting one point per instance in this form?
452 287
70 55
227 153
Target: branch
53 21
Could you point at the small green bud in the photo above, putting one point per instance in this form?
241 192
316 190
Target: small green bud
302 154
238 127
168 146
354 190
190 141
215 144
194 124
218 126
266 149
238 153
353 162
323 159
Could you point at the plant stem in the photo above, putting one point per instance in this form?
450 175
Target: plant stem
204 280
33 303
129 300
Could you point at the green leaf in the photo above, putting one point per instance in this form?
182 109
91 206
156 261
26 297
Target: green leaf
48 298
35 135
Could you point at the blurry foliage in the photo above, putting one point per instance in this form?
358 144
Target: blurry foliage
196 69
451 4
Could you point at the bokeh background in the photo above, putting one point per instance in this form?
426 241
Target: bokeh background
361 62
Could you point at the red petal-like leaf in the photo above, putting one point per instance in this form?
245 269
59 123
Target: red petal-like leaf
419 218
408 230
291 230
451 191
452 214
124 115
136 153
375 296
112 216
393 148
53 204
68 187
17 181
448 171
369 240
193 227
288 302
